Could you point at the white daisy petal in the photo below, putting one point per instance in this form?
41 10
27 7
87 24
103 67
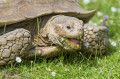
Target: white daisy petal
48 69
79 68
18 59
53 74
86 44
113 9
66 69
99 14
101 20
113 43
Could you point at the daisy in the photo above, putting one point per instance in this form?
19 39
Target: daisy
48 69
66 69
18 59
99 14
86 44
101 20
113 9
53 74
65 65
86 1
113 43
79 68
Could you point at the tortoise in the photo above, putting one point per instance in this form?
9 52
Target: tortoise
45 28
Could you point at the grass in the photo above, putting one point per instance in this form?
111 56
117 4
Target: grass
74 66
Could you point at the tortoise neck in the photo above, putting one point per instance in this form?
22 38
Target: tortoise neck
37 32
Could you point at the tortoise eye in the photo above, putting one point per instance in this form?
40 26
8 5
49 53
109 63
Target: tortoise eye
68 27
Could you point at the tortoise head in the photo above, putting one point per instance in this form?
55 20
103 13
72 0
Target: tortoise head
65 31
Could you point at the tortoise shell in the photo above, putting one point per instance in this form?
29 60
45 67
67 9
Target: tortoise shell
13 11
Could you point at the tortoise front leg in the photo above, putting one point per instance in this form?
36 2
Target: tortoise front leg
13 44
95 39
48 52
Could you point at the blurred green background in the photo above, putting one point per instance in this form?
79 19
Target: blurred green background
109 7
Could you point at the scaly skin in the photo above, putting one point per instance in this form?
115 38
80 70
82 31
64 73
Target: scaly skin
97 38
14 44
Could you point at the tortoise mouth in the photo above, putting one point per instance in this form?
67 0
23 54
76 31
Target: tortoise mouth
70 43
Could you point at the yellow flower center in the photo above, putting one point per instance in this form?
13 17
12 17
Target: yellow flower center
49 69
65 65
66 70
18 59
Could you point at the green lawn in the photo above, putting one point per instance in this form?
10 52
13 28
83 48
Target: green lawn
75 66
